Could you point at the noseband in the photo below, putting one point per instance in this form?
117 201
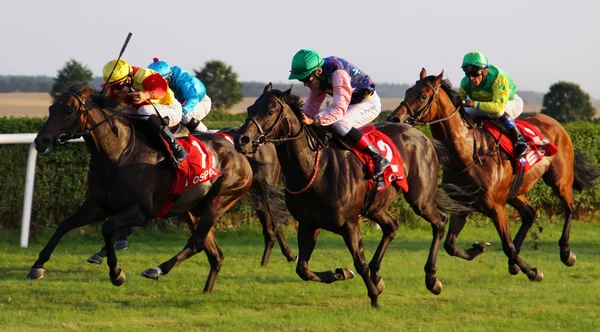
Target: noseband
62 139
415 117
263 135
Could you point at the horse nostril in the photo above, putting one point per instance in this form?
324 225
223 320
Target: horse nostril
244 139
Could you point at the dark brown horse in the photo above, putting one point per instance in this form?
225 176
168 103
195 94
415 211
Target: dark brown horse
327 186
476 160
129 179
268 204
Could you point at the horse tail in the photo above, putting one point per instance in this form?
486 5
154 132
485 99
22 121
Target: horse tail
585 172
264 195
454 199
443 154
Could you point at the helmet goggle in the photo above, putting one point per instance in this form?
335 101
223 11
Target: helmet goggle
472 71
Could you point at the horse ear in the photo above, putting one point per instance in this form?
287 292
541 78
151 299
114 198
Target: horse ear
439 78
423 73
288 91
268 88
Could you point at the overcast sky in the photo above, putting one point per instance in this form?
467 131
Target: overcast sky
538 42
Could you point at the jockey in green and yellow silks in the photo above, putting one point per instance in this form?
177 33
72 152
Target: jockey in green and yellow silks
487 91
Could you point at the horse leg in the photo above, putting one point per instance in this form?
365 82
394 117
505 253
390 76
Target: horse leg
559 182
498 215
269 236
283 245
131 217
215 259
123 233
354 242
307 239
189 250
89 212
528 216
457 222
389 227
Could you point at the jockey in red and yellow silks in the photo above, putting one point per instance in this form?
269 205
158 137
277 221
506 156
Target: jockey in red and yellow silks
146 93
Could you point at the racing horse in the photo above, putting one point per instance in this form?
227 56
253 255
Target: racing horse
475 159
129 179
325 187
269 206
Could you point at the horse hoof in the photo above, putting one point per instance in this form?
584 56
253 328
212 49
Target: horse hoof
514 269
435 287
121 245
380 286
348 274
120 279
481 245
36 273
95 259
152 273
539 275
292 258
568 258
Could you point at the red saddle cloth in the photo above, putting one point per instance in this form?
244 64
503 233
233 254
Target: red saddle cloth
194 170
538 145
387 148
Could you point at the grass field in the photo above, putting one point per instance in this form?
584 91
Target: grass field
477 296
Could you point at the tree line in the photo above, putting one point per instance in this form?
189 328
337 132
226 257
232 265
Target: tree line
565 101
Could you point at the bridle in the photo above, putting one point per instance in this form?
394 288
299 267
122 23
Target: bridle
82 109
415 117
263 137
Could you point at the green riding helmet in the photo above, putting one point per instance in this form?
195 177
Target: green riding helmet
475 59
304 63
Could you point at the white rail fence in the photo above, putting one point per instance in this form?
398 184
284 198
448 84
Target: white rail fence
29 178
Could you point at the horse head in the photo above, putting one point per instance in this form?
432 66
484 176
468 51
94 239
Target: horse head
71 116
273 118
67 118
421 104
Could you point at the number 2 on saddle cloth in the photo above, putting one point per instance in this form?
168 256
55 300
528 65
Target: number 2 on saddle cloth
539 146
393 174
194 170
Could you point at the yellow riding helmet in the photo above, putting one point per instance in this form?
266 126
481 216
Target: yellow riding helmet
122 69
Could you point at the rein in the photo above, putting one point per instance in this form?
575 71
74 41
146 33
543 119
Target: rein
314 143
63 138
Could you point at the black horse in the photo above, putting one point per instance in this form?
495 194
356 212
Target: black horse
268 203
326 187
129 179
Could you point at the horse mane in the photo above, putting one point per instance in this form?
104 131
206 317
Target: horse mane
294 102
446 85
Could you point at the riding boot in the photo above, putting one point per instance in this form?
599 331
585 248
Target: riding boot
356 138
192 125
179 153
520 144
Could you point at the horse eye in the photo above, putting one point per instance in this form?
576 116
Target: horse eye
423 96
271 112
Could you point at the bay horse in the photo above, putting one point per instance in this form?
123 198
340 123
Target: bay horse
129 179
325 187
475 159
268 204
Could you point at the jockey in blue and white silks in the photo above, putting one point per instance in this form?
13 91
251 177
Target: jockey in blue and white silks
189 91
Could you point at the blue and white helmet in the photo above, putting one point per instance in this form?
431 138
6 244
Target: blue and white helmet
161 67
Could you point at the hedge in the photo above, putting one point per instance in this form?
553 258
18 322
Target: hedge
60 180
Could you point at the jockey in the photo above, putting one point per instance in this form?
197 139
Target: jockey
492 94
189 91
146 93
355 102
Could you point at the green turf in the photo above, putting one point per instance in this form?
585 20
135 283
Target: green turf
478 295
